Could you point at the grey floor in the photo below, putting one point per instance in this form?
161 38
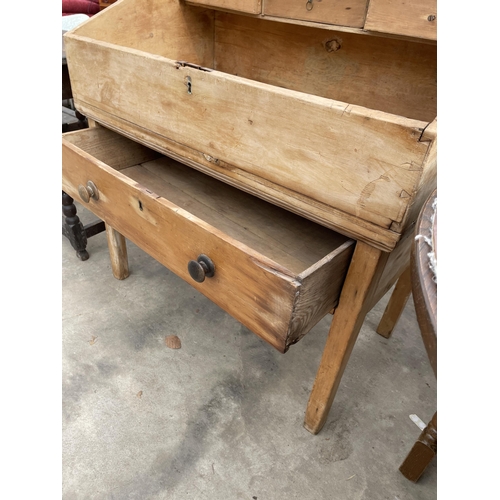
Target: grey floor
221 417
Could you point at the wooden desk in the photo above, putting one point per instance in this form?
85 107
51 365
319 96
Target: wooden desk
135 190
299 104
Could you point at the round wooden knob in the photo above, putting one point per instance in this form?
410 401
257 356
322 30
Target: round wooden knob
88 191
201 268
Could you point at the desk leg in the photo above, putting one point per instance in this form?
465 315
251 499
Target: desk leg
396 304
117 247
364 272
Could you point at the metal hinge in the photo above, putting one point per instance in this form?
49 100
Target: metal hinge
184 64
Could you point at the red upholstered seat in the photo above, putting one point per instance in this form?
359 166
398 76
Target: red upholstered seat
89 7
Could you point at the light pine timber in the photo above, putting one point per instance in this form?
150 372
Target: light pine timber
320 271
347 29
346 224
370 160
340 66
397 262
165 27
264 295
401 17
92 123
343 12
396 304
248 6
262 226
293 241
365 270
427 182
298 245
143 54
375 284
118 253
271 300
372 179
112 149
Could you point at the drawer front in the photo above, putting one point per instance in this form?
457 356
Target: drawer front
340 12
398 17
249 6
254 289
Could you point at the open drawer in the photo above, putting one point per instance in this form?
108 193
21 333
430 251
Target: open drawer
330 125
275 272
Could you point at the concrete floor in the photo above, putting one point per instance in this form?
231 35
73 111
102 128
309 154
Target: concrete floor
221 418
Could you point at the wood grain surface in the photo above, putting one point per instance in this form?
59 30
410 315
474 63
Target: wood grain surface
249 6
343 12
324 158
341 160
400 17
263 293
389 75
362 278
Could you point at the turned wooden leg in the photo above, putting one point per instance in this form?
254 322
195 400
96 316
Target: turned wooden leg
364 272
396 304
118 253
72 227
423 451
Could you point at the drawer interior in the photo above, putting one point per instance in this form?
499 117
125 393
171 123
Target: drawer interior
385 74
294 243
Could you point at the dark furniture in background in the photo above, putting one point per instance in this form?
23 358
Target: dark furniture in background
420 280
72 228
424 289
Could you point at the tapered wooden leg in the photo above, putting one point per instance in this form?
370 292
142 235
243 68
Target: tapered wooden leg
396 304
118 253
364 272
423 451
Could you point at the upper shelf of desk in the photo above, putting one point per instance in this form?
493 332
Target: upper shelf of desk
417 19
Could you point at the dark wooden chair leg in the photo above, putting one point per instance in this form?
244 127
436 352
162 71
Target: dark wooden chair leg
423 451
72 227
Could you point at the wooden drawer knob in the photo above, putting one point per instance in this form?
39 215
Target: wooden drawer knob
88 191
201 268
